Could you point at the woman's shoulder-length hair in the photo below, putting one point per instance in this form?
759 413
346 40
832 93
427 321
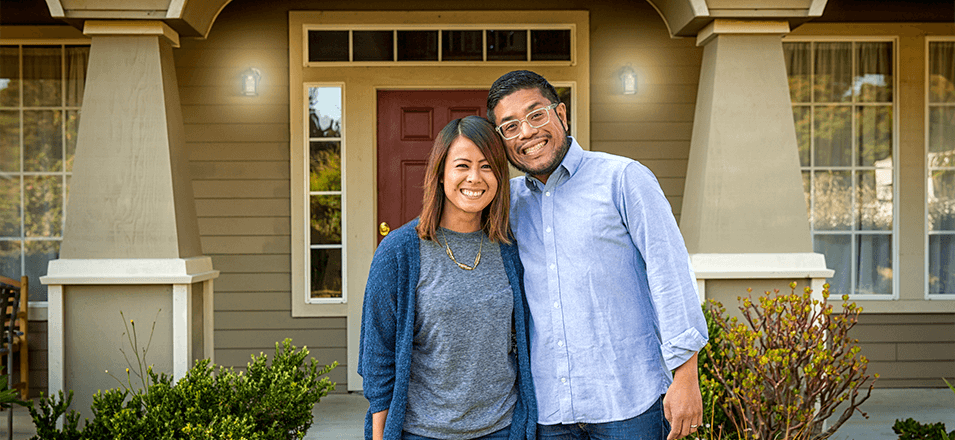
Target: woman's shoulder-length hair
494 217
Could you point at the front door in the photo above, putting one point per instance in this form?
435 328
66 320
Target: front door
408 122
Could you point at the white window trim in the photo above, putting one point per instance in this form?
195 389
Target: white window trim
572 27
301 248
925 169
42 36
895 296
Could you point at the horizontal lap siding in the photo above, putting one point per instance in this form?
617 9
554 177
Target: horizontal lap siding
653 126
908 350
239 160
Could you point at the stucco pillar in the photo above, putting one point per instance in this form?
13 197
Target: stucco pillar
131 242
744 212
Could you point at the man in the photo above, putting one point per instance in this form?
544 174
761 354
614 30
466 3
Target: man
613 300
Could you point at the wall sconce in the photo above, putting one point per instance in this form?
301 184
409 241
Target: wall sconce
628 79
250 82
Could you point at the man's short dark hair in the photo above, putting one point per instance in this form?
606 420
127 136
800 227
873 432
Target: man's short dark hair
516 80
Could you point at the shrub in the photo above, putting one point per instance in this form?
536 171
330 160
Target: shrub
913 430
715 421
788 366
268 402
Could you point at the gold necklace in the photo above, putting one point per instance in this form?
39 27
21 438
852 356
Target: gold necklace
477 259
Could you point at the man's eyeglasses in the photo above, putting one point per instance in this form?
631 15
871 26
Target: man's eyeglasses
536 119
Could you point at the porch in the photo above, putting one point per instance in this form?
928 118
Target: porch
340 416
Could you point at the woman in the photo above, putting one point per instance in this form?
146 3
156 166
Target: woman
444 352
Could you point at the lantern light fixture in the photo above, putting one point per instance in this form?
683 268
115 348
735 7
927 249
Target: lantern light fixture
250 81
628 80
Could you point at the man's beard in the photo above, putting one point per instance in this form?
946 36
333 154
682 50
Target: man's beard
547 168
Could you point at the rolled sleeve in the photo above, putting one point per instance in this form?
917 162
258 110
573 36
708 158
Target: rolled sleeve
680 349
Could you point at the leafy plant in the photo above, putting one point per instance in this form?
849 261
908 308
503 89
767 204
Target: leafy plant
271 401
787 367
715 421
910 429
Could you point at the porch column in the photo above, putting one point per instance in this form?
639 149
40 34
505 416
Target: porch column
744 212
131 242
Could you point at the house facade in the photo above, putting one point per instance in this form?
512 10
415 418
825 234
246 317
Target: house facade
227 168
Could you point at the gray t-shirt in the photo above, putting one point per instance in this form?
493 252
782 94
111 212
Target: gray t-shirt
463 380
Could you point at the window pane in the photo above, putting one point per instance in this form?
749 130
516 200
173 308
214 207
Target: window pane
565 95
42 76
806 184
38 255
10 140
801 120
417 45
874 200
550 45
874 135
507 45
833 200
326 274
325 172
325 112
833 70
941 136
462 45
72 129
874 259
838 254
941 264
10 259
326 219
373 45
327 46
873 78
941 200
42 140
9 76
833 135
798 66
77 58
9 207
941 71
43 206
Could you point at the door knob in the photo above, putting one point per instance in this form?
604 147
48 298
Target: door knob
384 229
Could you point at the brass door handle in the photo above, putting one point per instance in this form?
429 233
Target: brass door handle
384 229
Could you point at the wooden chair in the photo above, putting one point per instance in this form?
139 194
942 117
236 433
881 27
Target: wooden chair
14 310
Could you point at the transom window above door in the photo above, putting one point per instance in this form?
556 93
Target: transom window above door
473 44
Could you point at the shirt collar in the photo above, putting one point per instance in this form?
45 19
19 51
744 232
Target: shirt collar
570 163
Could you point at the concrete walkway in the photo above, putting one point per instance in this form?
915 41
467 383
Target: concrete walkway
340 416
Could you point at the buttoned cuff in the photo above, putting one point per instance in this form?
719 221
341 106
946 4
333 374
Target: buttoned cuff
680 349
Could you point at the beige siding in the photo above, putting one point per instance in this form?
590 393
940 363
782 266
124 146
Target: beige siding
653 126
908 350
239 160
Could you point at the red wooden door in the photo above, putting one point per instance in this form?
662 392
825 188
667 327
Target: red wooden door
408 122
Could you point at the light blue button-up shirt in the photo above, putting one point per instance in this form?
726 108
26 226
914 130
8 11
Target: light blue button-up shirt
613 299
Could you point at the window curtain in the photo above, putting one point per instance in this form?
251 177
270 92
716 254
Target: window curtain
77 58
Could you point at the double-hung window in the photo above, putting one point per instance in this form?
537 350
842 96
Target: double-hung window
41 91
843 98
940 162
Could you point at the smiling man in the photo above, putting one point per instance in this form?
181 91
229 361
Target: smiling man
613 299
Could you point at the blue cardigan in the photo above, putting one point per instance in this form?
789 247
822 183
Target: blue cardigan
387 333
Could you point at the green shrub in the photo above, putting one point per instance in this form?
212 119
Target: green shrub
787 367
268 402
910 429
715 421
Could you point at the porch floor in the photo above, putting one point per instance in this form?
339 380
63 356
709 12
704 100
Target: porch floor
340 416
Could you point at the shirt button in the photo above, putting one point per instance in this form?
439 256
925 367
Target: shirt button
563 380
560 343
548 229
552 267
556 305
547 193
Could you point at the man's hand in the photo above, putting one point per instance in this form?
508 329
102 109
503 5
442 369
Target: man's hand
683 403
